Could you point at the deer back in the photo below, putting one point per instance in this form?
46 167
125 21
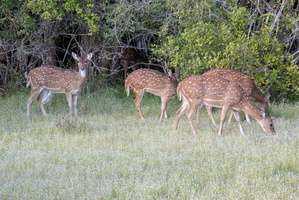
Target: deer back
53 78
246 82
243 79
213 90
152 81
57 79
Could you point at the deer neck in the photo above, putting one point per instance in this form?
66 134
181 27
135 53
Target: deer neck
80 76
82 73
252 110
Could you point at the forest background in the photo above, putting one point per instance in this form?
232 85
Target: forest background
258 37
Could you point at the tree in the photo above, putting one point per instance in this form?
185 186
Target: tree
208 34
35 32
257 37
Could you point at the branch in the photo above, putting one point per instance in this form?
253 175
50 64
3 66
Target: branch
278 14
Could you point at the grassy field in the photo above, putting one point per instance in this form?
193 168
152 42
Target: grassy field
109 153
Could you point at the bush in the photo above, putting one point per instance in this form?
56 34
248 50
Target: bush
229 43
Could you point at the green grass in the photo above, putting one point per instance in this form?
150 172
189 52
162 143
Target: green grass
109 153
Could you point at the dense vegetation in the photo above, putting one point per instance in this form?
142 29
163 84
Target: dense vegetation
257 37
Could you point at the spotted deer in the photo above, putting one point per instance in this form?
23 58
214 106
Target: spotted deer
155 82
129 57
217 92
45 80
247 84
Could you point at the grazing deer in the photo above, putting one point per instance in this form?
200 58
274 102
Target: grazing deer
46 80
247 84
217 92
148 80
129 57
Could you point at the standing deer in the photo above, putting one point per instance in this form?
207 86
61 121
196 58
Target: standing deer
148 80
45 80
129 57
247 84
217 92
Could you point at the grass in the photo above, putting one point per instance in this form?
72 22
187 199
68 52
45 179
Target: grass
109 153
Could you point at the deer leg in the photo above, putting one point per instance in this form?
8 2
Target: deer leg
137 102
69 100
223 116
232 114
74 99
33 95
47 97
198 113
230 118
189 116
43 98
237 116
180 112
209 109
164 101
247 117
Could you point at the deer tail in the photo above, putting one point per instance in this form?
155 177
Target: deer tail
179 92
28 82
127 87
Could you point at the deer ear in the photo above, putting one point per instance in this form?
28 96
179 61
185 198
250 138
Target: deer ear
263 114
267 97
274 118
89 56
74 56
176 74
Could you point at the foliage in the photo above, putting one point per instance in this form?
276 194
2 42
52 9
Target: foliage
35 32
205 43
57 10
259 38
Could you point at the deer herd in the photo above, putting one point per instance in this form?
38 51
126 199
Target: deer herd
225 88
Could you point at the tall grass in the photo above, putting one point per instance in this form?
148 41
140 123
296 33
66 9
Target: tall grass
109 153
